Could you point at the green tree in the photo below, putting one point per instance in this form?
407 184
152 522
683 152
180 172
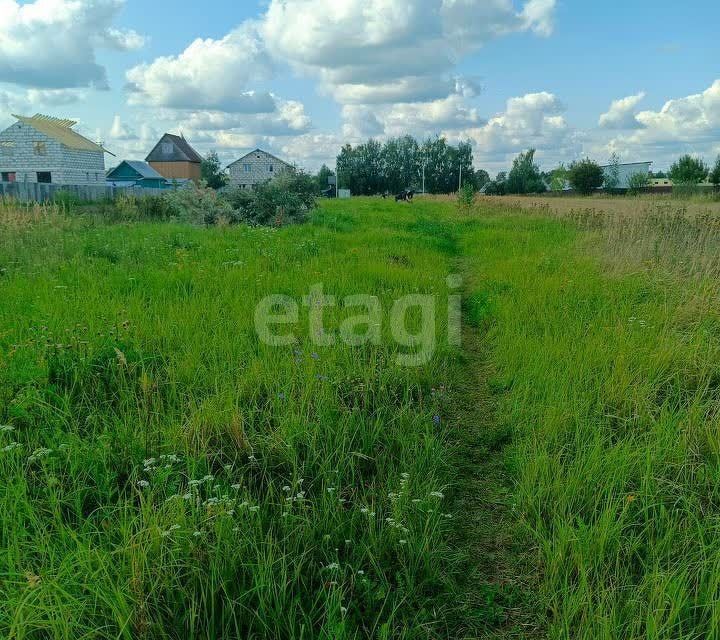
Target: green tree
715 173
558 178
525 175
688 170
637 182
212 171
612 173
585 176
321 178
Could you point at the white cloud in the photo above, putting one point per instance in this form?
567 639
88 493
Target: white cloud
208 74
622 112
420 119
690 124
534 120
52 43
392 50
119 131
288 119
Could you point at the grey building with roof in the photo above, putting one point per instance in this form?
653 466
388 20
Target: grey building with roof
255 168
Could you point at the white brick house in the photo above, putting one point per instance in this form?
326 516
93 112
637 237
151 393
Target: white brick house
46 149
255 168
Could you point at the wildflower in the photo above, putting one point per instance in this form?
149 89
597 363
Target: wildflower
286 488
197 534
252 458
228 467
403 541
143 484
11 446
6 427
187 496
333 566
364 510
254 509
361 572
436 419
437 494
404 476
42 452
208 478
330 489
343 610
236 486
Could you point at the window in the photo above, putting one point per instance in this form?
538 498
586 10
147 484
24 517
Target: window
270 168
247 168
44 177
167 148
8 176
87 176
39 148
97 177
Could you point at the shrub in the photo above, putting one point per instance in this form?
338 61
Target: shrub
466 196
287 199
585 176
637 182
198 205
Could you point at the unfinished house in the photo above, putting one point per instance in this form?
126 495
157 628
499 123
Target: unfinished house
47 150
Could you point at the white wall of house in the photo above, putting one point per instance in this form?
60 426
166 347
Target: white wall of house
31 152
255 168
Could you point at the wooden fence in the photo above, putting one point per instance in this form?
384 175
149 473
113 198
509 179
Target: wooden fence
39 192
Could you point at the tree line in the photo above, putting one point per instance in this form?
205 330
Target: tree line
400 163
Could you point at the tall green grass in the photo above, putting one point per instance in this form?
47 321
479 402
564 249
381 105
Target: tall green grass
607 365
166 475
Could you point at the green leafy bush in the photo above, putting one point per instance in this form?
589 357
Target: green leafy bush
585 176
287 199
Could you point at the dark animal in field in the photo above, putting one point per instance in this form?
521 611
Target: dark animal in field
405 196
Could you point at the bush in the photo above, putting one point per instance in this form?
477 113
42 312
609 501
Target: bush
466 196
287 199
637 182
585 176
198 205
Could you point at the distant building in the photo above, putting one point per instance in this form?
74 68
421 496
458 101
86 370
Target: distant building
625 171
47 150
135 173
255 168
174 158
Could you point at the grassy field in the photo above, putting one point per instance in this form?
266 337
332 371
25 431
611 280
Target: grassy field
166 474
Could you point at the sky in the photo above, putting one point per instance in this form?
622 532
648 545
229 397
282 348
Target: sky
300 78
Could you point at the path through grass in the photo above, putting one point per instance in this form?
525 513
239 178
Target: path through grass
165 474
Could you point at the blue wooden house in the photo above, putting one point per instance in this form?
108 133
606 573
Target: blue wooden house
135 173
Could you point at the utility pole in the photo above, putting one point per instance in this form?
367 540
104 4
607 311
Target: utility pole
460 181
337 181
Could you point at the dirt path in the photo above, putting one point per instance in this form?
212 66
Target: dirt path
499 589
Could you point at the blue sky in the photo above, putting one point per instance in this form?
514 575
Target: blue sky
301 77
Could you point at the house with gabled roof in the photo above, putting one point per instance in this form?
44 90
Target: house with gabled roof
48 150
135 173
254 168
174 158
